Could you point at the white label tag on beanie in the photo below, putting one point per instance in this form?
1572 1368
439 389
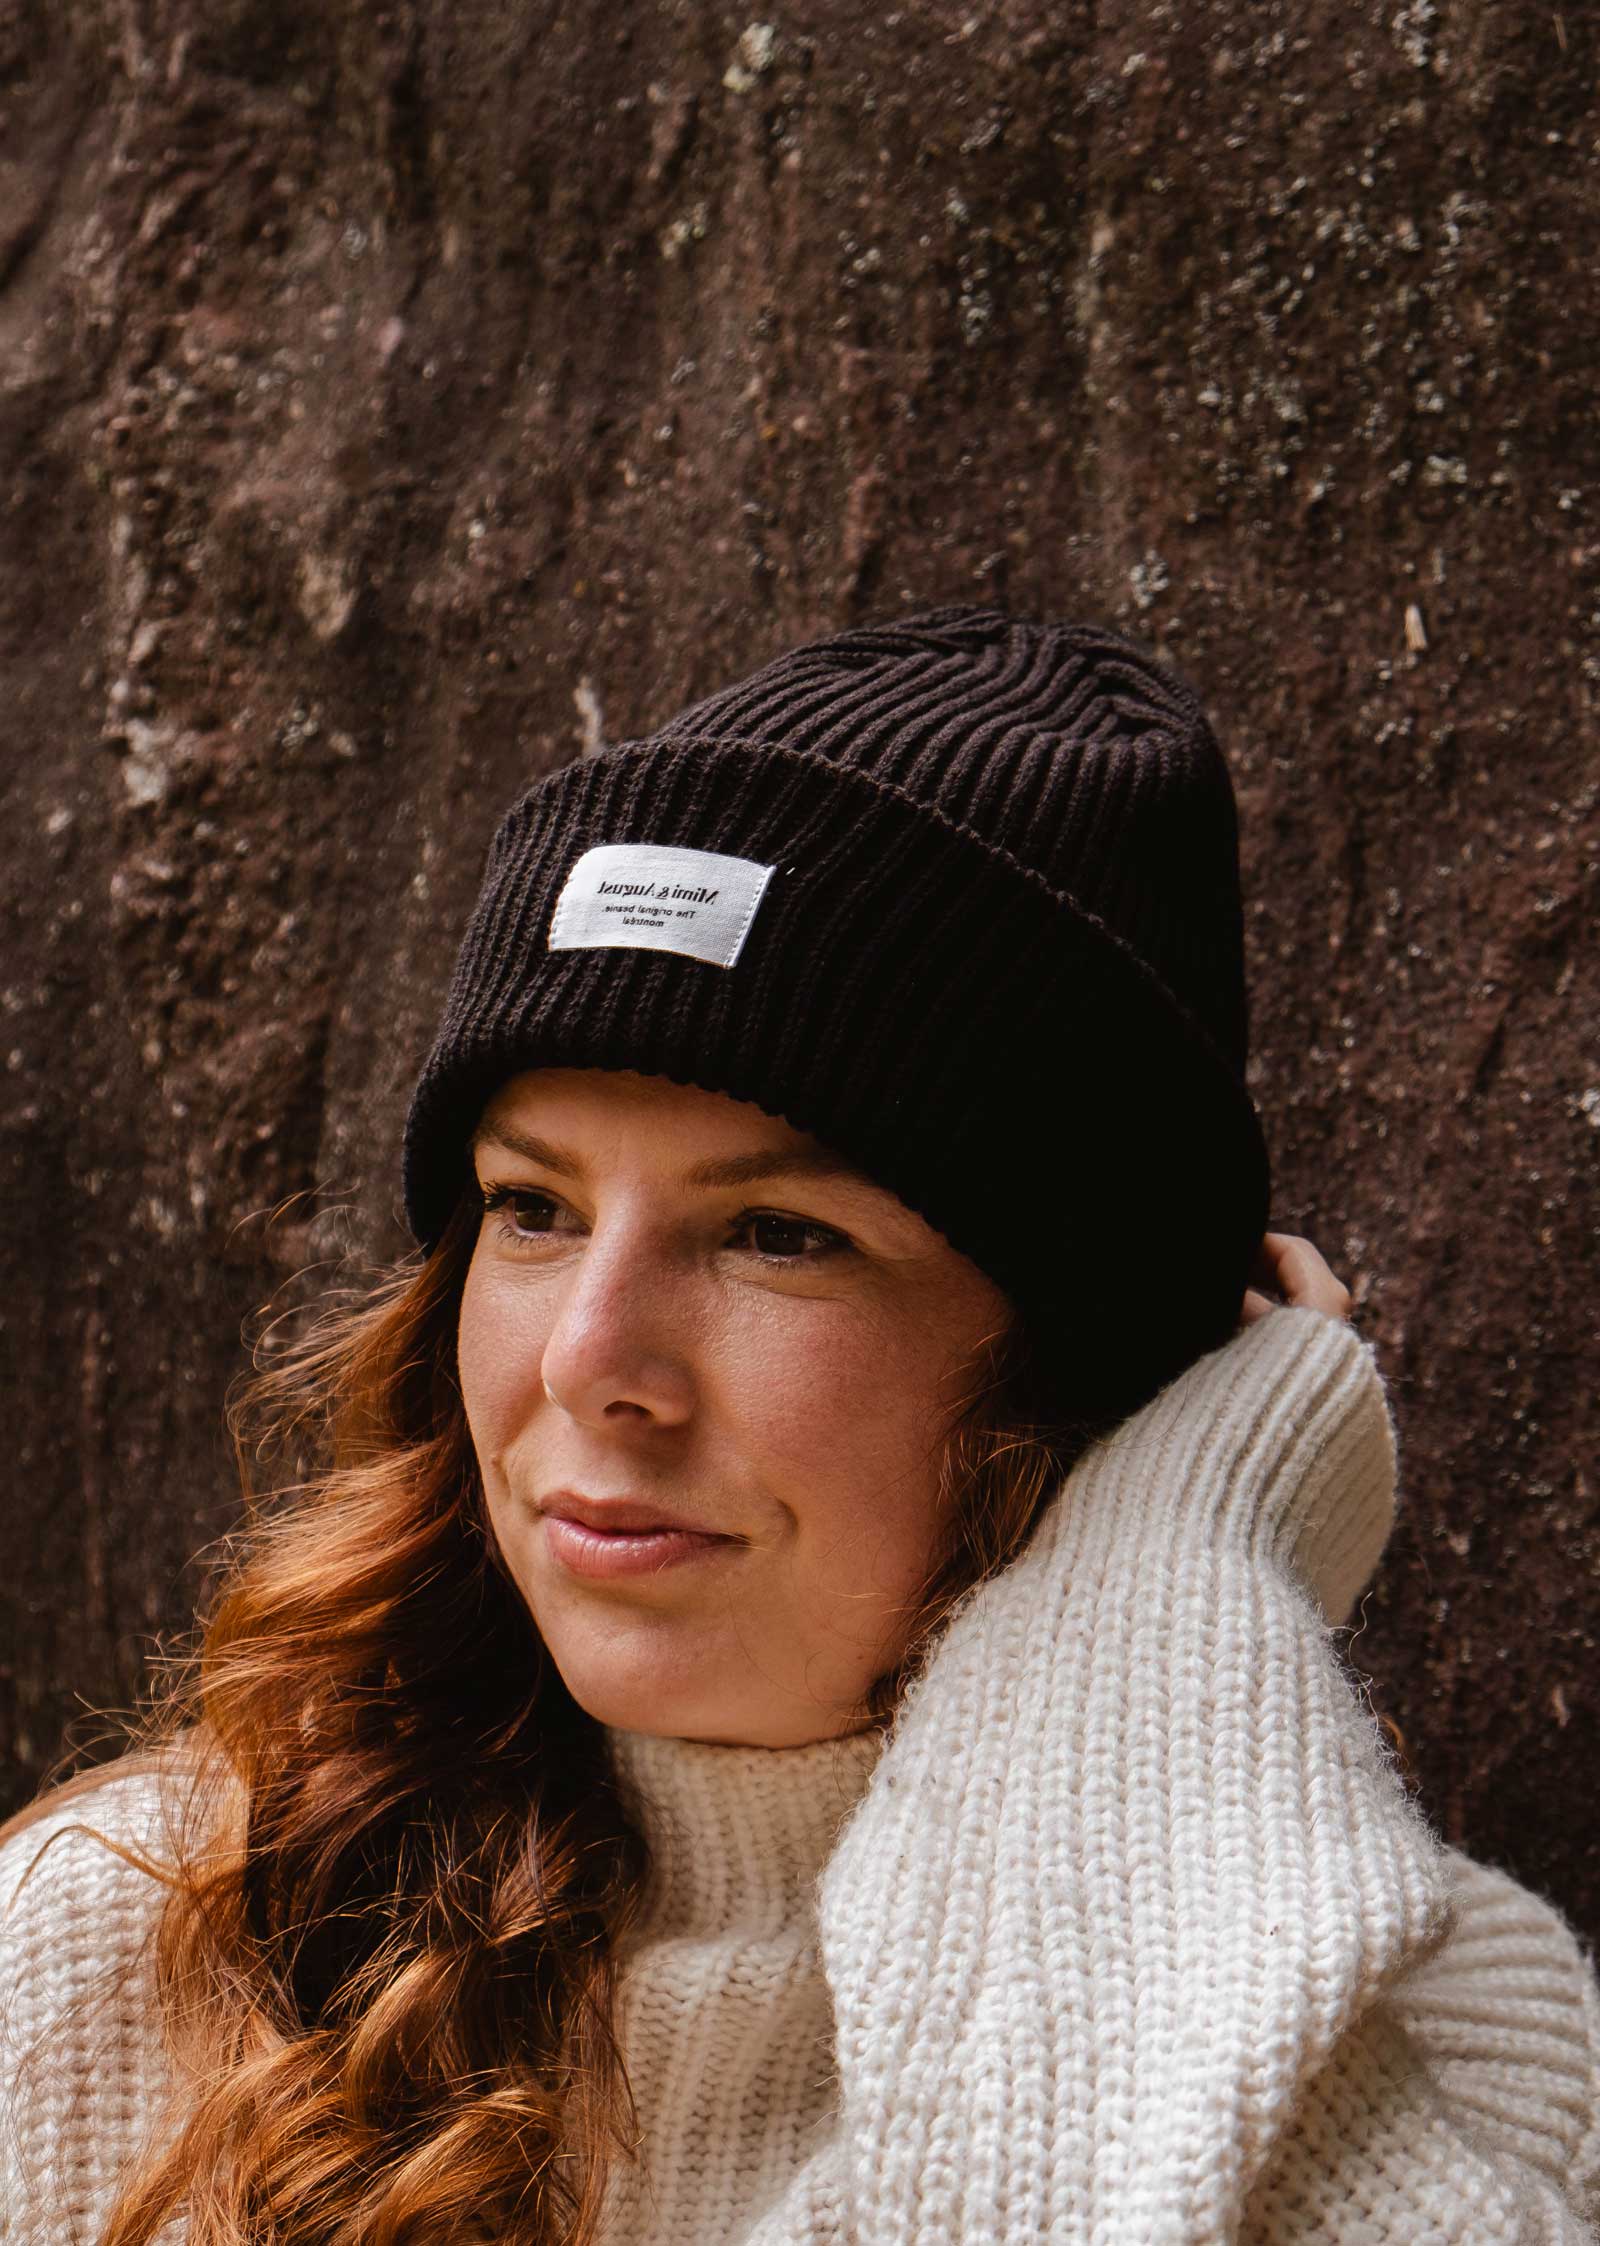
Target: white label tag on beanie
659 898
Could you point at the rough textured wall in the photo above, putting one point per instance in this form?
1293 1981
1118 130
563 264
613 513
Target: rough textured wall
398 399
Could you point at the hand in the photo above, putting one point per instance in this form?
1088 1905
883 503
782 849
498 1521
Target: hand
1296 1273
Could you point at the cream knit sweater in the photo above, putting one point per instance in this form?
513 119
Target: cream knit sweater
1129 1936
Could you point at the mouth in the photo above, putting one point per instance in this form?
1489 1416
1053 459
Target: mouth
605 1554
624 1516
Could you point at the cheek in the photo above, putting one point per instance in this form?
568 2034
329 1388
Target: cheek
849 1426
863 1415
499 1349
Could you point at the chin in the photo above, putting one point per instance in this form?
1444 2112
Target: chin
629 1684
648 1673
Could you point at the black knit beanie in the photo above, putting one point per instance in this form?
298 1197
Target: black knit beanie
958 893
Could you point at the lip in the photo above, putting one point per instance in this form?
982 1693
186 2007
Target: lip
618 1515
599 1553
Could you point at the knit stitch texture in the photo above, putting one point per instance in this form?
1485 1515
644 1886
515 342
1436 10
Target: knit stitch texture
1130 1935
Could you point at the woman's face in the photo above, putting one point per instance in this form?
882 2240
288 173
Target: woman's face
680 1300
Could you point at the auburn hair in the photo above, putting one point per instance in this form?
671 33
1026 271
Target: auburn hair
398 1862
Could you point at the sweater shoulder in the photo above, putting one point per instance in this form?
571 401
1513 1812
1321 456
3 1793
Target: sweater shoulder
1507 2014
62 1878
83 2067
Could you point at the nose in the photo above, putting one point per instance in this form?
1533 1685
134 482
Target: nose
618 1353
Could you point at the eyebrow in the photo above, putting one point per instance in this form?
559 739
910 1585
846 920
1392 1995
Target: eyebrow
729 1170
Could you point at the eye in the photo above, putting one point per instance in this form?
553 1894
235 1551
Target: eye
525 1214
777 1238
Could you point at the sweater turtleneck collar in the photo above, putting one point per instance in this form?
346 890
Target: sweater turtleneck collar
739 1836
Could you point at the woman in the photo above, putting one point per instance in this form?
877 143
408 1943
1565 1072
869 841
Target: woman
790 1693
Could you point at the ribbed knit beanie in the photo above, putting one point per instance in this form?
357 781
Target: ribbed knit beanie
958 893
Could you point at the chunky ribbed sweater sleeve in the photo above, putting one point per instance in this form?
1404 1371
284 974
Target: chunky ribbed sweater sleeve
1121 1938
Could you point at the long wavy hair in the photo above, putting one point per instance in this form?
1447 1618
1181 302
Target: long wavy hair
401 1864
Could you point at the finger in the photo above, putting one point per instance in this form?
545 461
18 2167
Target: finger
1304 1276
